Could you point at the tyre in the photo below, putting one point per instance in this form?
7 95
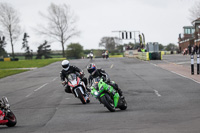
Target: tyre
88 100
81 97
124 105
108 102
12 121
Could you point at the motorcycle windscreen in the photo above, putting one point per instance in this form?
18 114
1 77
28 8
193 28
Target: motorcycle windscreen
72 79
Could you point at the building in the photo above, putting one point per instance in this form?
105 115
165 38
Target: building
191 35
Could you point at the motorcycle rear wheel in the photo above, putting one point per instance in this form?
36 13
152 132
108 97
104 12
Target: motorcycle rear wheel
12 121
81 97
110 106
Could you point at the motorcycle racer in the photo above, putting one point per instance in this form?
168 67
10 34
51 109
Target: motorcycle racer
67 69
94 73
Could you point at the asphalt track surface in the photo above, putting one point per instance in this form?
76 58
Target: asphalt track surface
159 101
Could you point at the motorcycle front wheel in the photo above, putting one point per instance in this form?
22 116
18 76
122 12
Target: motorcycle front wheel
108 102
12 121
81 97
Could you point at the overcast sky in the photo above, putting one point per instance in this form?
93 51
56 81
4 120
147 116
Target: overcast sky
160 20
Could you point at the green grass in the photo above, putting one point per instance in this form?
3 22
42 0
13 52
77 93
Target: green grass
5 73
6 65
34 56
27 63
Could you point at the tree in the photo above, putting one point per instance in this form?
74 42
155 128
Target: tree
61 24
195 11
110 43
2 45
44 50
161 47
171 47
120 48
29 53
129 46
10 22
74 50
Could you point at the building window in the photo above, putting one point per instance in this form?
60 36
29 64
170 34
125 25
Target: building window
188 31
193 31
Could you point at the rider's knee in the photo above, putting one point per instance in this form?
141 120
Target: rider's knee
67 90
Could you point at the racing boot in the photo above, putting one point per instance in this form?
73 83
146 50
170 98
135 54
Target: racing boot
118 89
87 96
115 86
88 89
67 89
120 93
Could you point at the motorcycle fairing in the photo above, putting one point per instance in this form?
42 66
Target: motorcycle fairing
2 121
103 86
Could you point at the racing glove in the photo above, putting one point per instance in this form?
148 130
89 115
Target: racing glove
81 74
64 83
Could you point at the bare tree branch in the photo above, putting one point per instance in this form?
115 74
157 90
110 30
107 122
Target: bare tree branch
195 11
60 24
110 43
9 20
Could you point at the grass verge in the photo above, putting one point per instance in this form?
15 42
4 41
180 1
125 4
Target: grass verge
5 73
27 63
4 66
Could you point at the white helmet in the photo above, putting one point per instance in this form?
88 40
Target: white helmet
65 64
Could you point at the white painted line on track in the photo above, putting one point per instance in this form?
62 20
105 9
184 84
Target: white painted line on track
29 94
157 93
153 64
111 66
54 79
41 87
67 98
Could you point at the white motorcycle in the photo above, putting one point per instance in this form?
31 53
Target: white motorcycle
90 55
78 88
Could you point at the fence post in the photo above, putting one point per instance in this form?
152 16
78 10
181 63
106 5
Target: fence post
192 64
198 64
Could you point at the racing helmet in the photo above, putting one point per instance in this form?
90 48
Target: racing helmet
65 64
91 68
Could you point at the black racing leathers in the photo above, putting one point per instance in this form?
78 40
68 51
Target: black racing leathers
102 74
99 73
64 74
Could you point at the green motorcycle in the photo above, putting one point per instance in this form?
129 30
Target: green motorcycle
107 95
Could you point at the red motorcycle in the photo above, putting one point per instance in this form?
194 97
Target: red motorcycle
78 88
7 117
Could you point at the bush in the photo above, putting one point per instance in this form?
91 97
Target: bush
75 51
